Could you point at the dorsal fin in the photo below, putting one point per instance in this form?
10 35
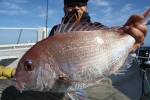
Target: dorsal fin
77 26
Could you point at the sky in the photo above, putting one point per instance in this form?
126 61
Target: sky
31 14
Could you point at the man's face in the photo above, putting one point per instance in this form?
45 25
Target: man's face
75 10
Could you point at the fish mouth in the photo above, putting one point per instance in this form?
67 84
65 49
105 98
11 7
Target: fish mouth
18 85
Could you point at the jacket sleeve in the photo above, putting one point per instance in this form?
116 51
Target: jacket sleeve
53 30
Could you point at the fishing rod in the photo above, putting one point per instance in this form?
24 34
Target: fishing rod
147 17
46 16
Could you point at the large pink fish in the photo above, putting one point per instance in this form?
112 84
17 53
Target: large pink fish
72 59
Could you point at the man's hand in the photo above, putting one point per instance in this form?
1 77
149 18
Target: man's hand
137 29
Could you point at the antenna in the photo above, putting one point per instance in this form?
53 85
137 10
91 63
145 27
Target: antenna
46 16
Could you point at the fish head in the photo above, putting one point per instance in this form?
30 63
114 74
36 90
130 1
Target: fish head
24 76
33 73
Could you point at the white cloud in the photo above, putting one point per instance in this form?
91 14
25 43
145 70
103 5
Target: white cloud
102 3
109 13
11 8
42 12
112 16
10 5
127 8
102 8
21 1
13 12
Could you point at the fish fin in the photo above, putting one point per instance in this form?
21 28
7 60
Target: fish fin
67 25
87 27
84 27
77 95
120 72
128 63
71 27
60 27
92 27
78 27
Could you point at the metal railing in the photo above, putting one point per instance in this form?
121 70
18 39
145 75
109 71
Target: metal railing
15 48
39 33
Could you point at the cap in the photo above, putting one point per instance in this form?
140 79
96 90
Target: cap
67 2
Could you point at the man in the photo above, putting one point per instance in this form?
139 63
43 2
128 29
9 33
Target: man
76 11
76 14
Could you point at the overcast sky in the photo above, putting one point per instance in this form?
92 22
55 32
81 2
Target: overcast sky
31 13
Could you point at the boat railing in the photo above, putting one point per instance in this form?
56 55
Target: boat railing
13 35
14 42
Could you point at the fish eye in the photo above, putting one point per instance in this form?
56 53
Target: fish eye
28 65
